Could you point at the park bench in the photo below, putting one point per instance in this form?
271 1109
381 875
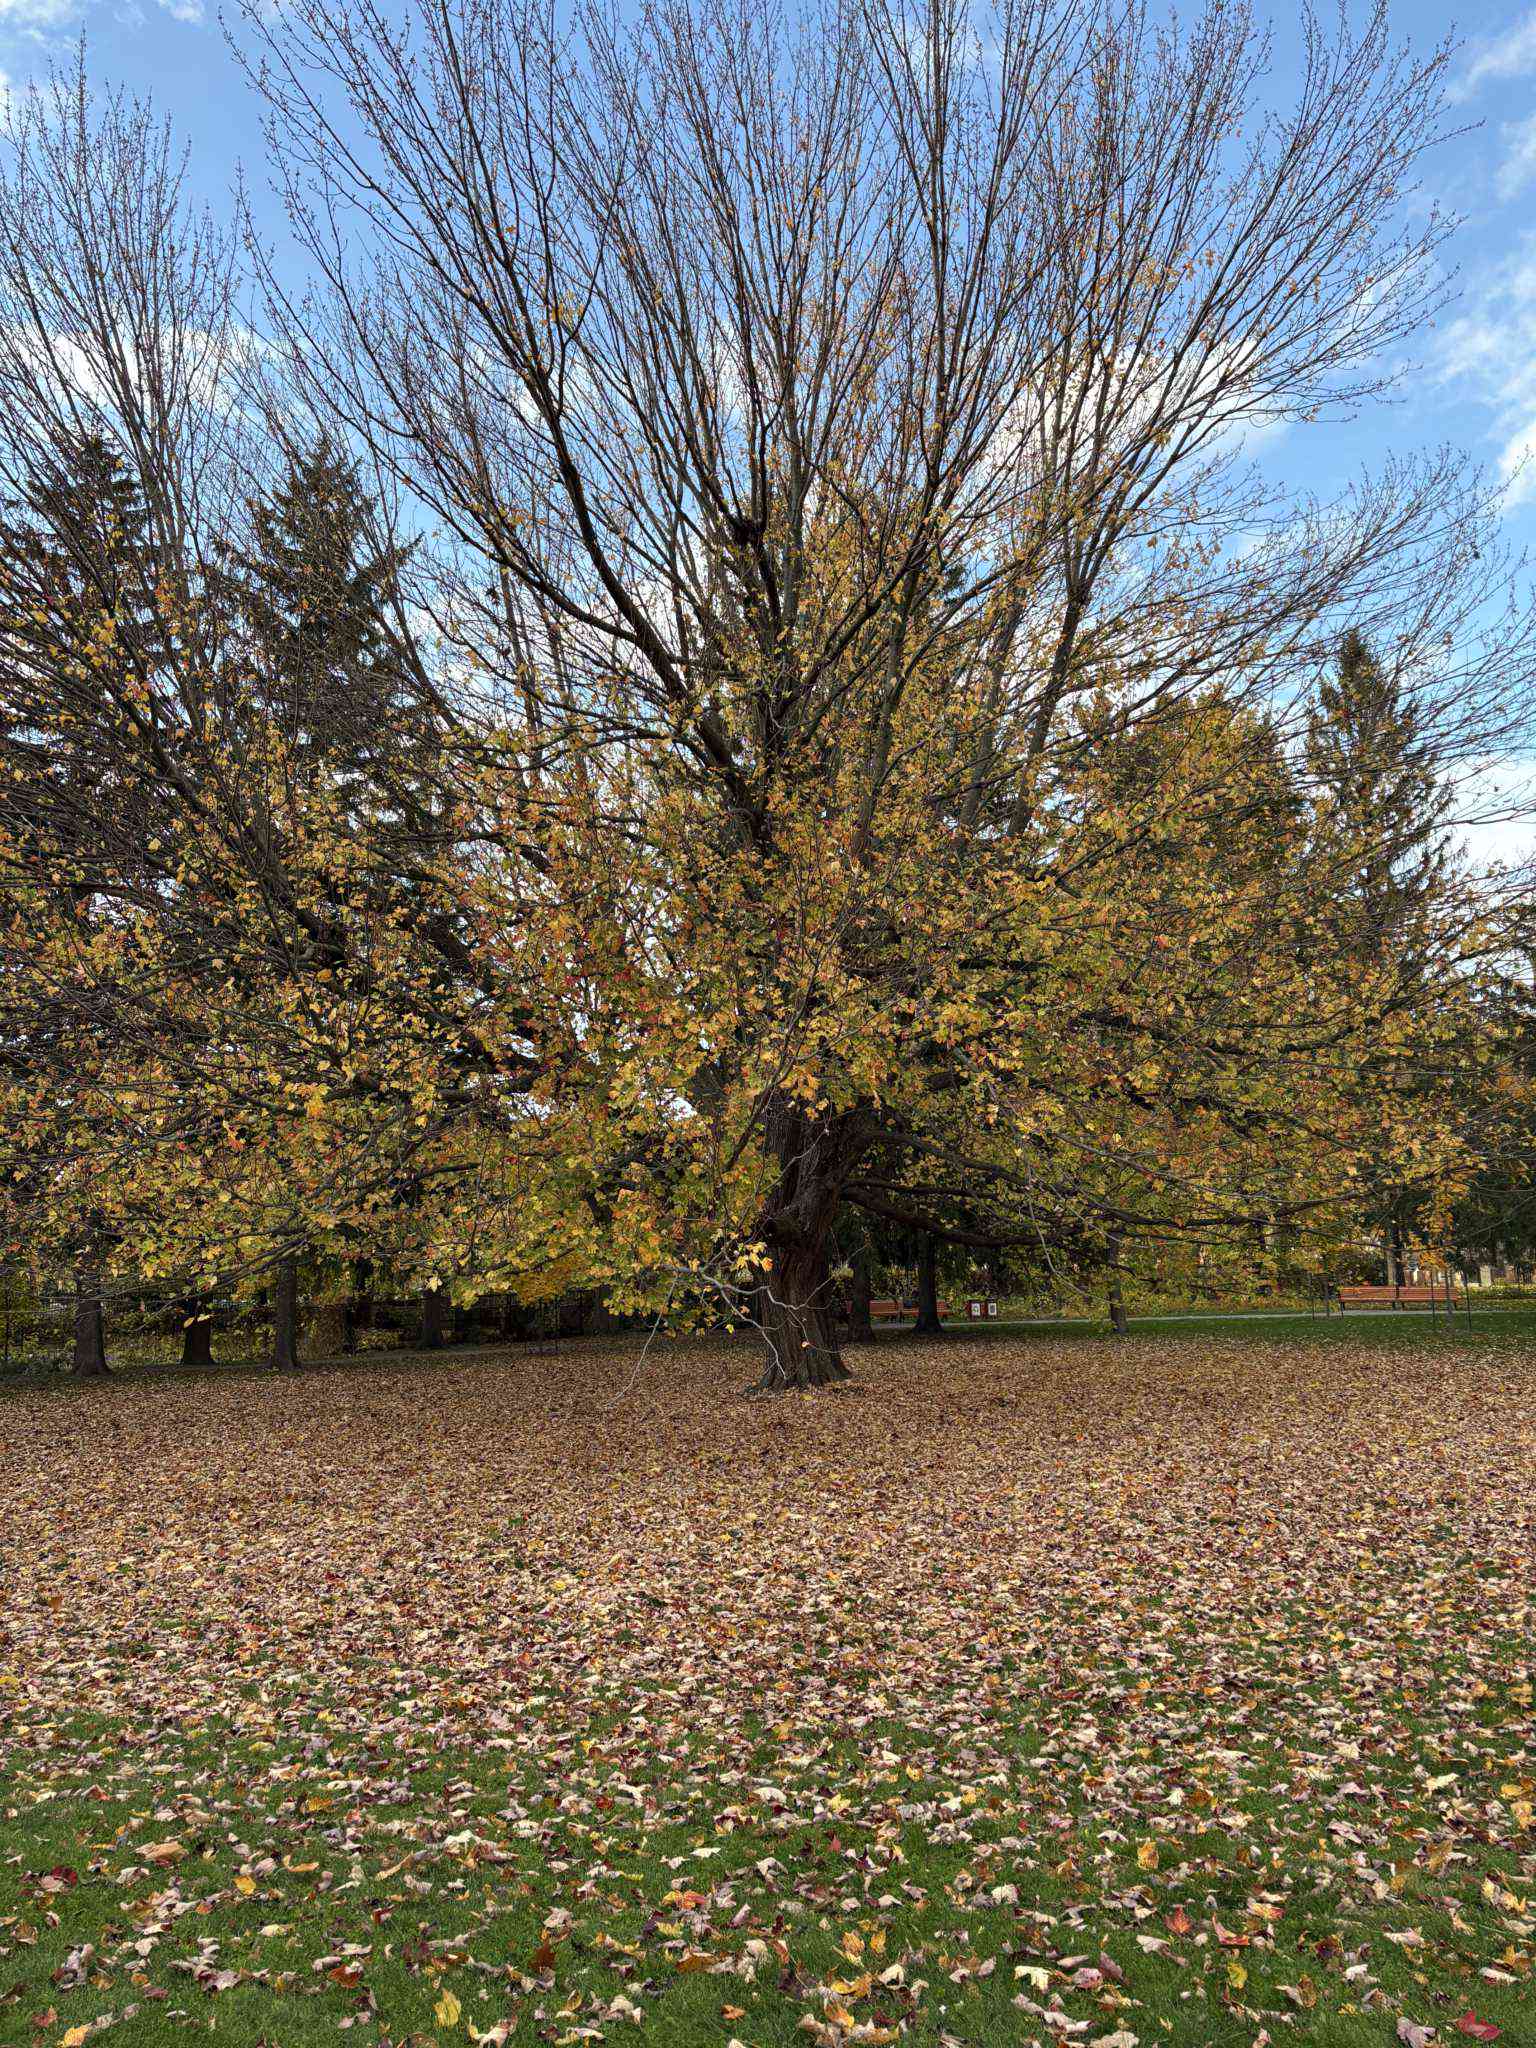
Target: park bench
1392 1297
895 1311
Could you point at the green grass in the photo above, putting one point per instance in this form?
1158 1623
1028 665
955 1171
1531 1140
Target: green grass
1178 1797
1386 1329
321 1881
1487 1329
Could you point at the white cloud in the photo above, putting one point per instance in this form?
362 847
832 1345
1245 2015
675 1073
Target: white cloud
1519 165
36 16
1510 54
1488 354
38 19
1496 822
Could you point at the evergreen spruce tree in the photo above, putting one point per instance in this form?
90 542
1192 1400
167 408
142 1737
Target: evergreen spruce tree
82 646
314 594
1382 814
313 597
1381 801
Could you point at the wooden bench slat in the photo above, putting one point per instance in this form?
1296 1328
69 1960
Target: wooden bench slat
1414 1293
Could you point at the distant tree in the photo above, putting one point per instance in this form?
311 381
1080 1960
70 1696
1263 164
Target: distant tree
78 573
233 894
310 597
1382 823
1494 1217
314 591
1383 801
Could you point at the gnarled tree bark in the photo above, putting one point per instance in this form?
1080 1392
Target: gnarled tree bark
796 1308
796 1315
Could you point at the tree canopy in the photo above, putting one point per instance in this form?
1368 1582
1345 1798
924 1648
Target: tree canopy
757 674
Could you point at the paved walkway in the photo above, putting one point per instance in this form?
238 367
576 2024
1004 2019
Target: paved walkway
1245 1315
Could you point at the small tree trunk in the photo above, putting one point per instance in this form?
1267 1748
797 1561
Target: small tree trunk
1117 1320
434 1319
796 1320
285 1315
928 1324
359 1309
90 1359
196 1336
860 1325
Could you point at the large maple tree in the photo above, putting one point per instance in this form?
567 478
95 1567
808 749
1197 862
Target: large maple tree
860 676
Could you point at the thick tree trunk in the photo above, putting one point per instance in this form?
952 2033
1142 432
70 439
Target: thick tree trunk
196 1336
795 1316
1117 1321
90 1359
285 1315
928 1324
434 1319
796 1310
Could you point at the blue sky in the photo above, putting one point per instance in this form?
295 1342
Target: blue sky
1473 382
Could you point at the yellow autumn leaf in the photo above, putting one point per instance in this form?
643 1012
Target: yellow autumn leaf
446 2011
1146 1855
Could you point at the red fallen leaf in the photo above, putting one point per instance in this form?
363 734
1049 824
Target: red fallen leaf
1178 1921
347 1975
1480 2030
1230 1940
543 1958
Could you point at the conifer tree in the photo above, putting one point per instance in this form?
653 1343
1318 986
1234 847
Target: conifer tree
80 641
1382 814
313 591
1381 800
